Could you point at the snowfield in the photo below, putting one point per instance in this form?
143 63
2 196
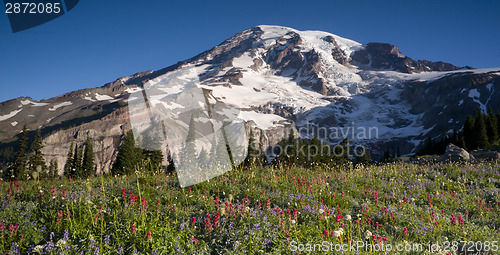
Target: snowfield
57 106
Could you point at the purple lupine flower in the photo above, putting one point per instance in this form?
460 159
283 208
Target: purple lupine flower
106 239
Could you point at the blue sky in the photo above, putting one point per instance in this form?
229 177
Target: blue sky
99 41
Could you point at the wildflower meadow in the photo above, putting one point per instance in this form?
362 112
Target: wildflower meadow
260 210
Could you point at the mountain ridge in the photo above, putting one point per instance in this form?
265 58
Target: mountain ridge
289 79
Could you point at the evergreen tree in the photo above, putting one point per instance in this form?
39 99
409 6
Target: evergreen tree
468 133
152 155
203 158
154 158
316 149
189 151
76 162
127 156
18 170
88 159
55 172
491 126
36 161
387 155
68 167
480 133
53 168
498 125
228 148
346 144
253 150
218 153
460 142
453 138
363 158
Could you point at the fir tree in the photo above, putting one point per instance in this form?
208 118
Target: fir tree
491 126
218 153
253 151
152 155
88 159
78 161
460 142
346 145
498 125
18 170
154 158
36 161
53 169
455 135
386 155
68 167
127 156
189 150
468 133
363 157
203 158
480 133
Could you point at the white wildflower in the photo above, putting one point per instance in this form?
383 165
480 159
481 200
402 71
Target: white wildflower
38 248
61 243
368 234
348 217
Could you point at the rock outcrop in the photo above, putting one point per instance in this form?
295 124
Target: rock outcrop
388 56
454 153
486 155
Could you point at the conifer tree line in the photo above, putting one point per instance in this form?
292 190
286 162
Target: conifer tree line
130 158
314 152
390 154
80 160
478 132
29 162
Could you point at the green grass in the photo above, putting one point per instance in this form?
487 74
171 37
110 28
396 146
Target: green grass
253 211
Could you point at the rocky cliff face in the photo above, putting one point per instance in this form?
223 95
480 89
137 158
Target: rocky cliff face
281 79
106 133
387 56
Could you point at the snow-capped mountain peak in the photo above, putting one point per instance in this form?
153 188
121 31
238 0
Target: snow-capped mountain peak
282 78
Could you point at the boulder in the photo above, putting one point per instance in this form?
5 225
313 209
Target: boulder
486 155
454 153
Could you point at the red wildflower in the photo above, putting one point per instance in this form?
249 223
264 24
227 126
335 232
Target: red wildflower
453 220
194 240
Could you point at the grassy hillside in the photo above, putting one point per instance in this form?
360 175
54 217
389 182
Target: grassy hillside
269 210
